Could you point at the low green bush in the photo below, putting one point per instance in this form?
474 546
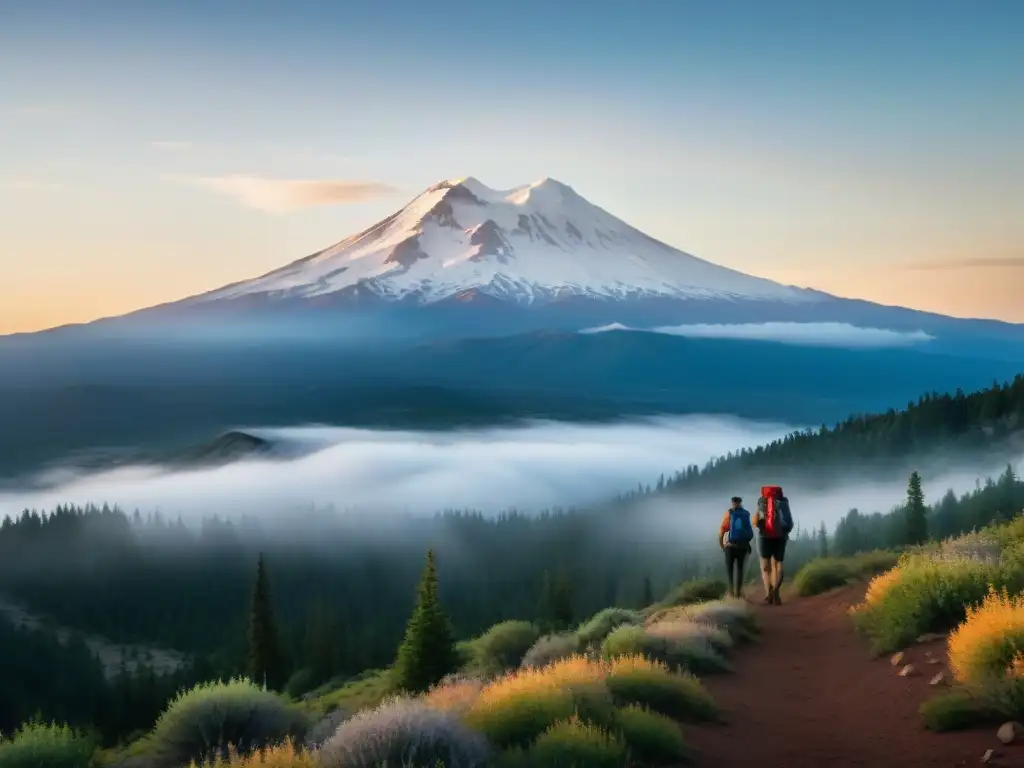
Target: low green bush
500 648
201 723
652 738
650 684
953 711
868 564
678 652
41 745
821 575
518 715
573 743
1004 697
931 587
602 623
827 573
927 594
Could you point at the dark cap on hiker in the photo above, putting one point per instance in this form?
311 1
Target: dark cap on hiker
736 500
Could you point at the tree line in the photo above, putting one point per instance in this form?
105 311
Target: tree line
914 522
972 423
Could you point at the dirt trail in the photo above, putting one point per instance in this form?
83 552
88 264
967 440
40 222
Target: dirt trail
808 693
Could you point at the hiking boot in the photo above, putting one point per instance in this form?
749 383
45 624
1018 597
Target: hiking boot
776 600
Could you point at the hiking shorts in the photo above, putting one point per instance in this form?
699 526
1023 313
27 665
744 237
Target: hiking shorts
772 549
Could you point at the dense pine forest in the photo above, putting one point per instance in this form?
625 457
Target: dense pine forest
994 501
954 425
342 586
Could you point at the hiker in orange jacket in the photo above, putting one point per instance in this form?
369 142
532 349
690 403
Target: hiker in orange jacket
734 537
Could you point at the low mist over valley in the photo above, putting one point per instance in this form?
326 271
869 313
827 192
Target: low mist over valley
529 468
270 474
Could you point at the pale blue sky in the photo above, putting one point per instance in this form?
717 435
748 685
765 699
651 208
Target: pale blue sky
826 144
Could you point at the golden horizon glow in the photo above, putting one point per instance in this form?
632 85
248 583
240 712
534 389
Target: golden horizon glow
989 291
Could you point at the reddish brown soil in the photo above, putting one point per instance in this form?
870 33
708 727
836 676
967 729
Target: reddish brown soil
809 693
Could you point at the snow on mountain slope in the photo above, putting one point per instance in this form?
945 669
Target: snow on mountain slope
534 243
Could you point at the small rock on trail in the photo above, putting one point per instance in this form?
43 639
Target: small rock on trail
1010 732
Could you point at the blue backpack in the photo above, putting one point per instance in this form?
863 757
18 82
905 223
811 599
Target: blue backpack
740 530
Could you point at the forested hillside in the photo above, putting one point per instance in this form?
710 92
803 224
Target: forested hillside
956 426
994 501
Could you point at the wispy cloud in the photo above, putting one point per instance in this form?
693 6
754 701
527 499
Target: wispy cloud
812 334
977 262
284 195
41 110
29 185
172 146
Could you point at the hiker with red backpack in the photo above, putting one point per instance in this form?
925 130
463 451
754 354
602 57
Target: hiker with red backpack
734 537
774 521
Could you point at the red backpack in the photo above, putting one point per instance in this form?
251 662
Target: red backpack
774 509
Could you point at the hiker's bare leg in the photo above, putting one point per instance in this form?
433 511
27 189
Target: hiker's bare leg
777 574
766 574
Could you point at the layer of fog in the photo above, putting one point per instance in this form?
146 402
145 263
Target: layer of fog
538 466
813 334
533 467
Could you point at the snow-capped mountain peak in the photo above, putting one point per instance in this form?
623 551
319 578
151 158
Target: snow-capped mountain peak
531 243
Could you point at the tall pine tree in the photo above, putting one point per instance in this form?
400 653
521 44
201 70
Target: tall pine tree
427 653
648 596
916 512
822 541
265 662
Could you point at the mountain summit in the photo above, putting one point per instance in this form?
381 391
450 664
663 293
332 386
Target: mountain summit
462 260
531 244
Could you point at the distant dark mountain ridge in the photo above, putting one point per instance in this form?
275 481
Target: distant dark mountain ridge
230 446
179 401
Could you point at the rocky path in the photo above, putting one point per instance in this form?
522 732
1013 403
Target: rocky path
808 693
